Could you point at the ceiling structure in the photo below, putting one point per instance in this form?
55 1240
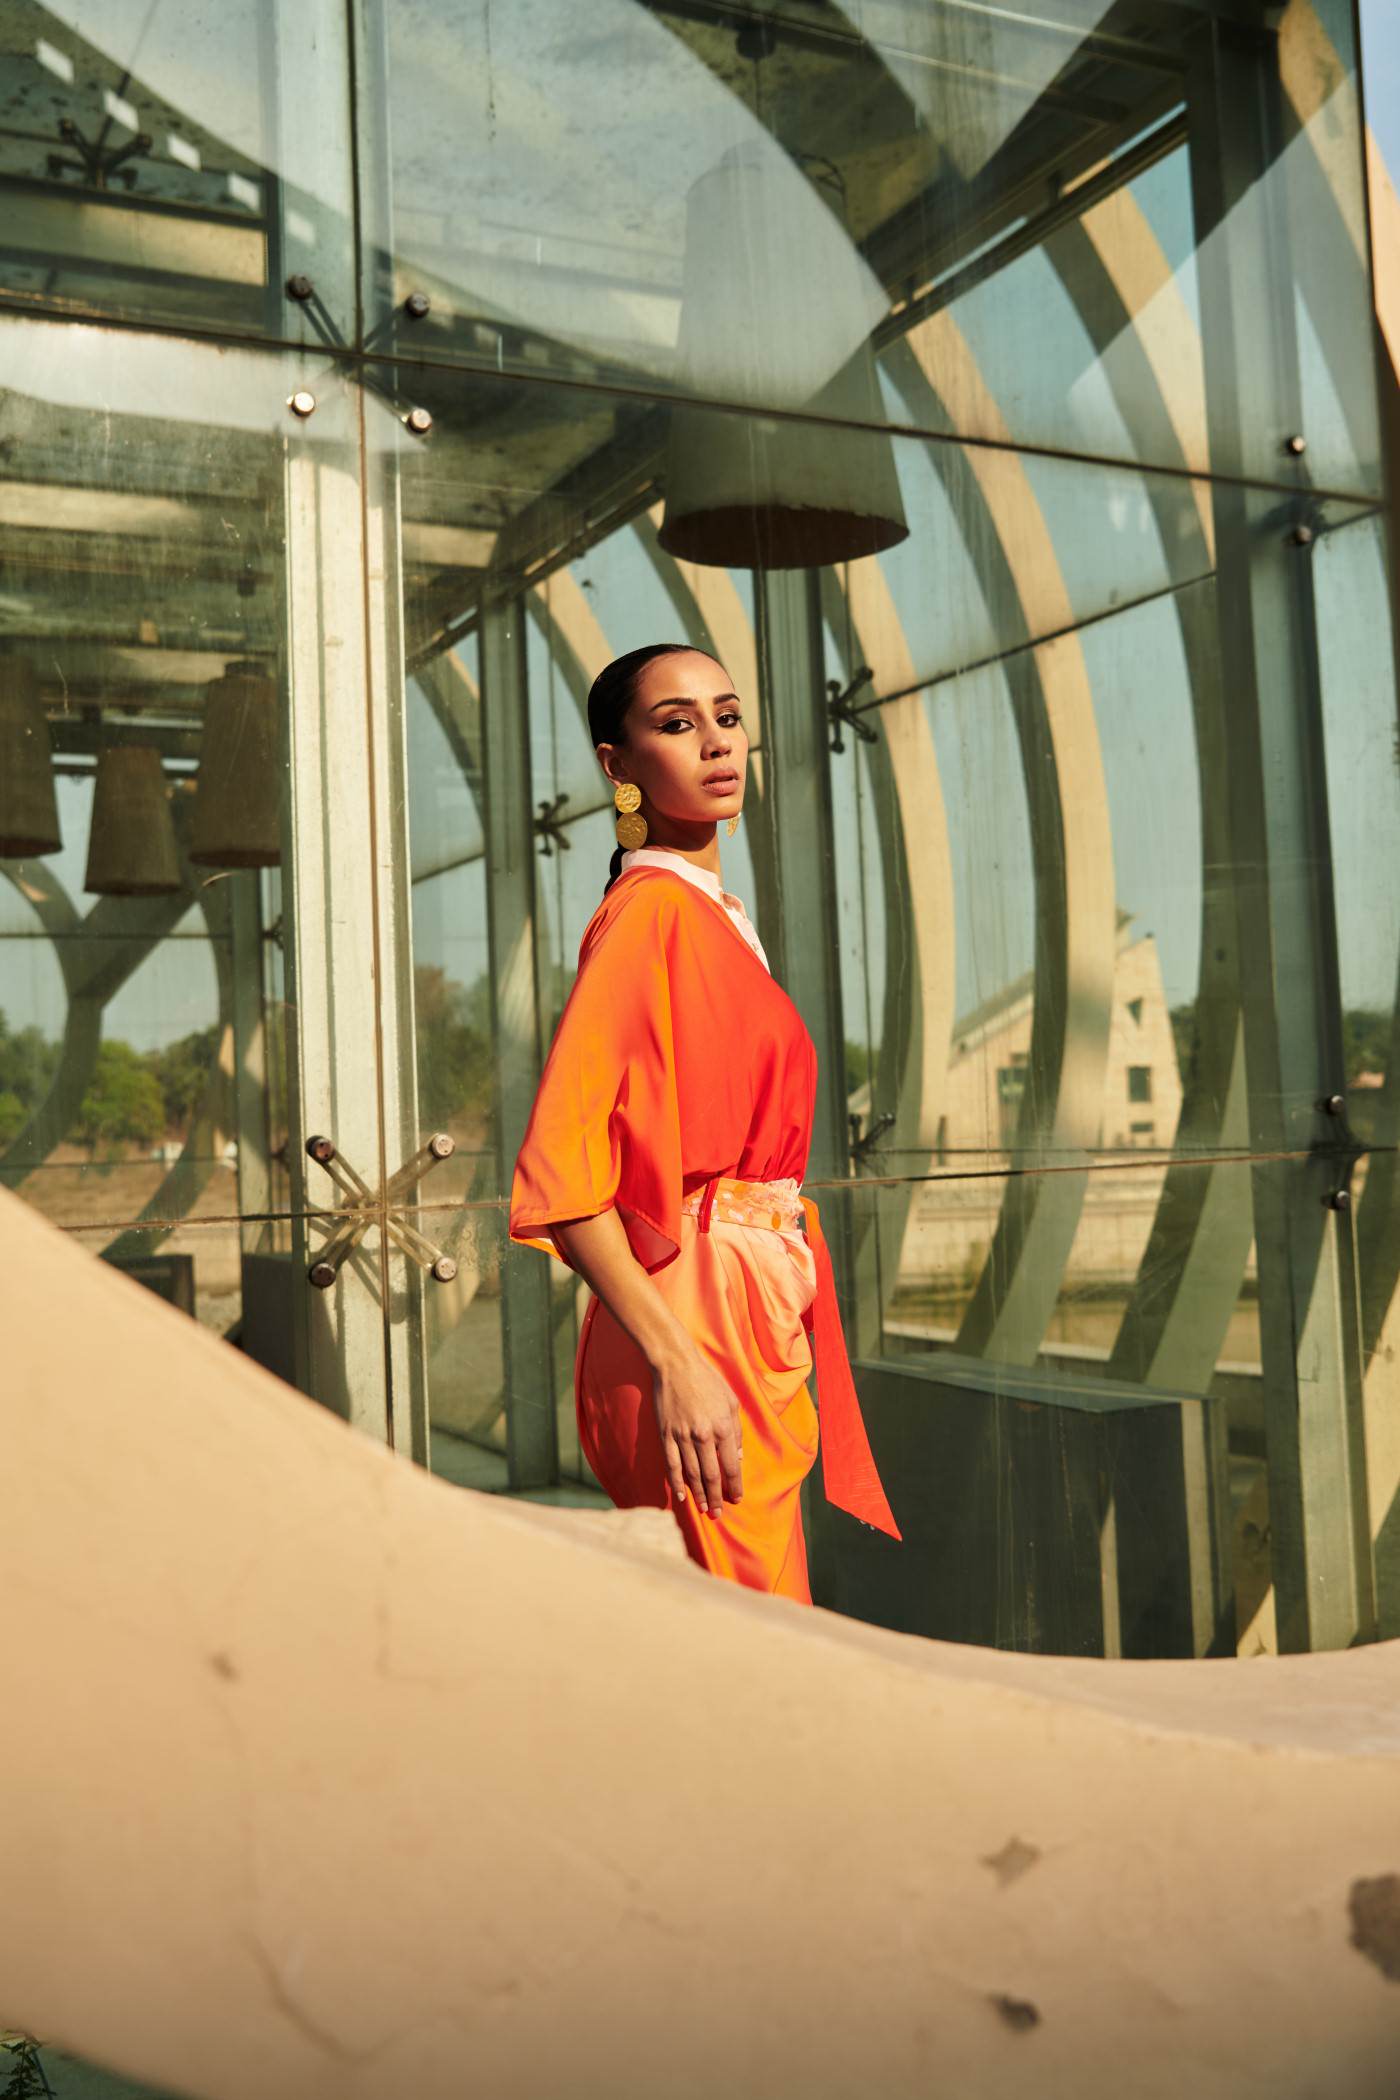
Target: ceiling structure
148 547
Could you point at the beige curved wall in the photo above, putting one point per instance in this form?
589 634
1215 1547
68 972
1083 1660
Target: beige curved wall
324 1778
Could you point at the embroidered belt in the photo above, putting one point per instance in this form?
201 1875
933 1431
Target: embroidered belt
775 1204
849 1474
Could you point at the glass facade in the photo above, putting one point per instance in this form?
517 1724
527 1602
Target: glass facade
1008 396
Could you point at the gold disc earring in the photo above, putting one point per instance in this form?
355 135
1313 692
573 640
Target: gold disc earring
732 825
631 825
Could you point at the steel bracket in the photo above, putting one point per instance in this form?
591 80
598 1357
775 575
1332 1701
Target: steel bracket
361 1207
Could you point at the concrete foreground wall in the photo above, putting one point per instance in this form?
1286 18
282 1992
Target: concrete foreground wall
323 1778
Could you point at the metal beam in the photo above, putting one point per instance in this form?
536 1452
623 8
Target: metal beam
1250 263
806 955
531 1430
328 890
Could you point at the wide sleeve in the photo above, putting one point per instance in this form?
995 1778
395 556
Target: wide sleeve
605 1126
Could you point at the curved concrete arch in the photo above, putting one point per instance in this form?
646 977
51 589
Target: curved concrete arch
454 701
1188 1281
95 965
454 697
574 637
1319 164
1052 705
909 1077
212 1124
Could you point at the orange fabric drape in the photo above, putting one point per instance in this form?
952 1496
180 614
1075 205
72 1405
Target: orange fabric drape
678 1057
738 1292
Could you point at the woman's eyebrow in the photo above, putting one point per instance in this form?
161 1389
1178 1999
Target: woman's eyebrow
682 700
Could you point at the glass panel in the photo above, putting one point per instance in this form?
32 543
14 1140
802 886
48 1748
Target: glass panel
171 751
1066 803
196 1268
468 1440
178 162
1004 551
1363 785
467 1415
452 1004
994 220
1380 51
1159 1282
1033 857
148 554
1041 1508
245 1283
1354 578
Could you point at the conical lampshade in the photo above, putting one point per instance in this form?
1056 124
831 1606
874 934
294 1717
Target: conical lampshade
750 492
236 821
28 805
767 324
776 298
131 845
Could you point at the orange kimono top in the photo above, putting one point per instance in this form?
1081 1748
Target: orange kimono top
679 1057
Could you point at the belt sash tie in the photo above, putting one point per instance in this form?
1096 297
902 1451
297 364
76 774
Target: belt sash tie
849 1473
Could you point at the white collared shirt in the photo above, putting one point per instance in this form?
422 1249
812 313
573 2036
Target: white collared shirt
667 857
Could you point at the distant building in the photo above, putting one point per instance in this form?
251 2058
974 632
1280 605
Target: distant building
991 1058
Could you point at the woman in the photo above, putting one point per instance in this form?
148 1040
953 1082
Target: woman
663 1157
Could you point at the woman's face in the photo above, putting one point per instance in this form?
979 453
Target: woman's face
685 730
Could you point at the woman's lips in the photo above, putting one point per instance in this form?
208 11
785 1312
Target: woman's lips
724 786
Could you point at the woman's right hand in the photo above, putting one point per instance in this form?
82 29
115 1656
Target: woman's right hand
698 1414
702 1430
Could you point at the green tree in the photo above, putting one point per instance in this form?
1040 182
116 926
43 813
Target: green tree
123 1103
1365 1041
454 1047
1184 1034
13 1116
27 1061
181 1071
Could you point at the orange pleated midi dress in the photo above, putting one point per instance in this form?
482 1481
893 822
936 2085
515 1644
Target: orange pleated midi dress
680 1066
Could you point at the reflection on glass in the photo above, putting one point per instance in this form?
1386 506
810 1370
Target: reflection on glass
1041 1508
177 162
138 1025
199 1269
901 355
1035 874
1353 574
742 205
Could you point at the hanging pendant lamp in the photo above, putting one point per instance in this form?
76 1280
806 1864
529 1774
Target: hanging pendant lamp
28 804
236 821
771 320
131 845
